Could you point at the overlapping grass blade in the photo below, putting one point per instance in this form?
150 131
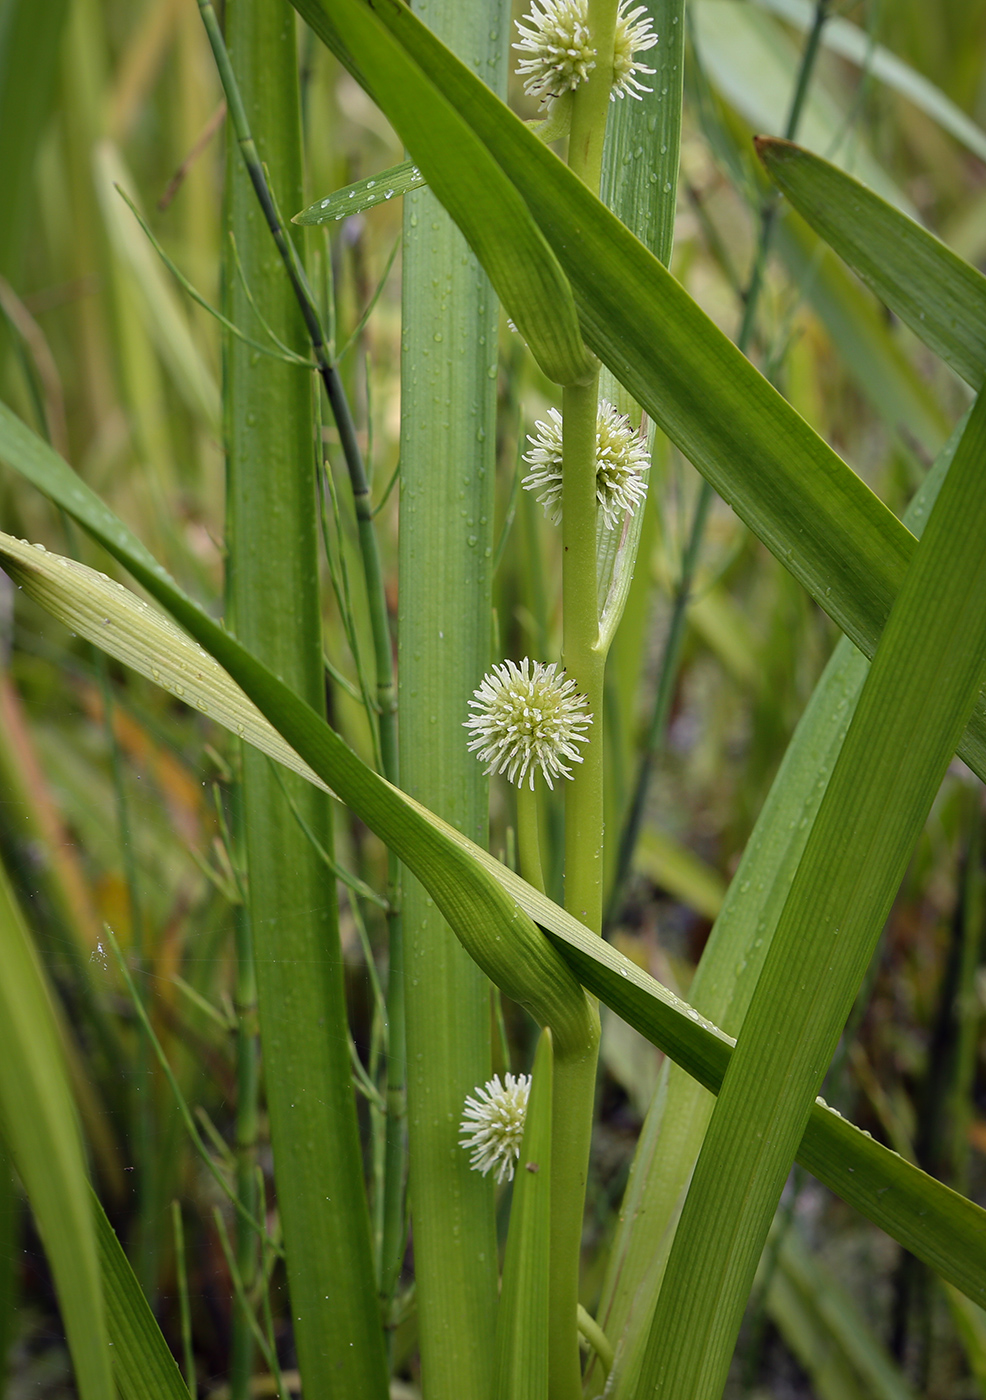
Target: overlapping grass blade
924 680
288 951
850 41
449 320
792 490
728 972
922 281
143 1365
41 1132
938 1225
492 215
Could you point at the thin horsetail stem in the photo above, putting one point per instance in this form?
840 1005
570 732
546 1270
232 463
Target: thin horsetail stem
671 655
386 692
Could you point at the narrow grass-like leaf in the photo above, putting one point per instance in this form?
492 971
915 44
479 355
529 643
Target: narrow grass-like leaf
936 1224
143 1365
792 490
162 313
292 946
824 1328
727 974
849 41
363 195
29 48
520 1369
750 57
445 563
40 1129
492 215
932 290
858 329
921 688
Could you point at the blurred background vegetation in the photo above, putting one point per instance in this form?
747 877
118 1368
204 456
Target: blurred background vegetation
114 799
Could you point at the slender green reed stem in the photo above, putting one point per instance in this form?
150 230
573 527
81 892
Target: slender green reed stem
529 837
266 1344
583 657
169 1074
181 1274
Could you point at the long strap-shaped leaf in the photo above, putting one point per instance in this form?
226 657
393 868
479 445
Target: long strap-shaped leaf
936 1224
929 287
924 680
793 491
142 1363
40 1129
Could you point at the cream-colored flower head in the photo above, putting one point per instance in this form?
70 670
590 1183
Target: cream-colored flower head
621 460
527 717
558 53
493 1124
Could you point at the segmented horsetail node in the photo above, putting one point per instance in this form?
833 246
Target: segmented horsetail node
493 1124
621 460
528 717
559 54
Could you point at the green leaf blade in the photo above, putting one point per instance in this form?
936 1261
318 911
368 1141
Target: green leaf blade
929 287
922 685
41 1131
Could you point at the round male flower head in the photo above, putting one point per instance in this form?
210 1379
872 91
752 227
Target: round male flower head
559 54
527 717
493 1124
621 460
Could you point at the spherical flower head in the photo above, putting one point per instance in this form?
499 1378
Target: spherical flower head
621 460
527 717
558 53
633 35
493 1124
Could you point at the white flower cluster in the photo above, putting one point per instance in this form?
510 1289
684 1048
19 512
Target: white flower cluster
527 717
493 1124
558 53
621 460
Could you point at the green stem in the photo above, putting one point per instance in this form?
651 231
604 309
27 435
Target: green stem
590 106
528 836
188 1355
584 660
572 1099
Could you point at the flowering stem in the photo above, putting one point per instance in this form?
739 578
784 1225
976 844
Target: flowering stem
591 98
584 661
575 1075
528 837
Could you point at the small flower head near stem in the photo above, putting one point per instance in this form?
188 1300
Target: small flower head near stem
527 717
559 54
493 1124
621 460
